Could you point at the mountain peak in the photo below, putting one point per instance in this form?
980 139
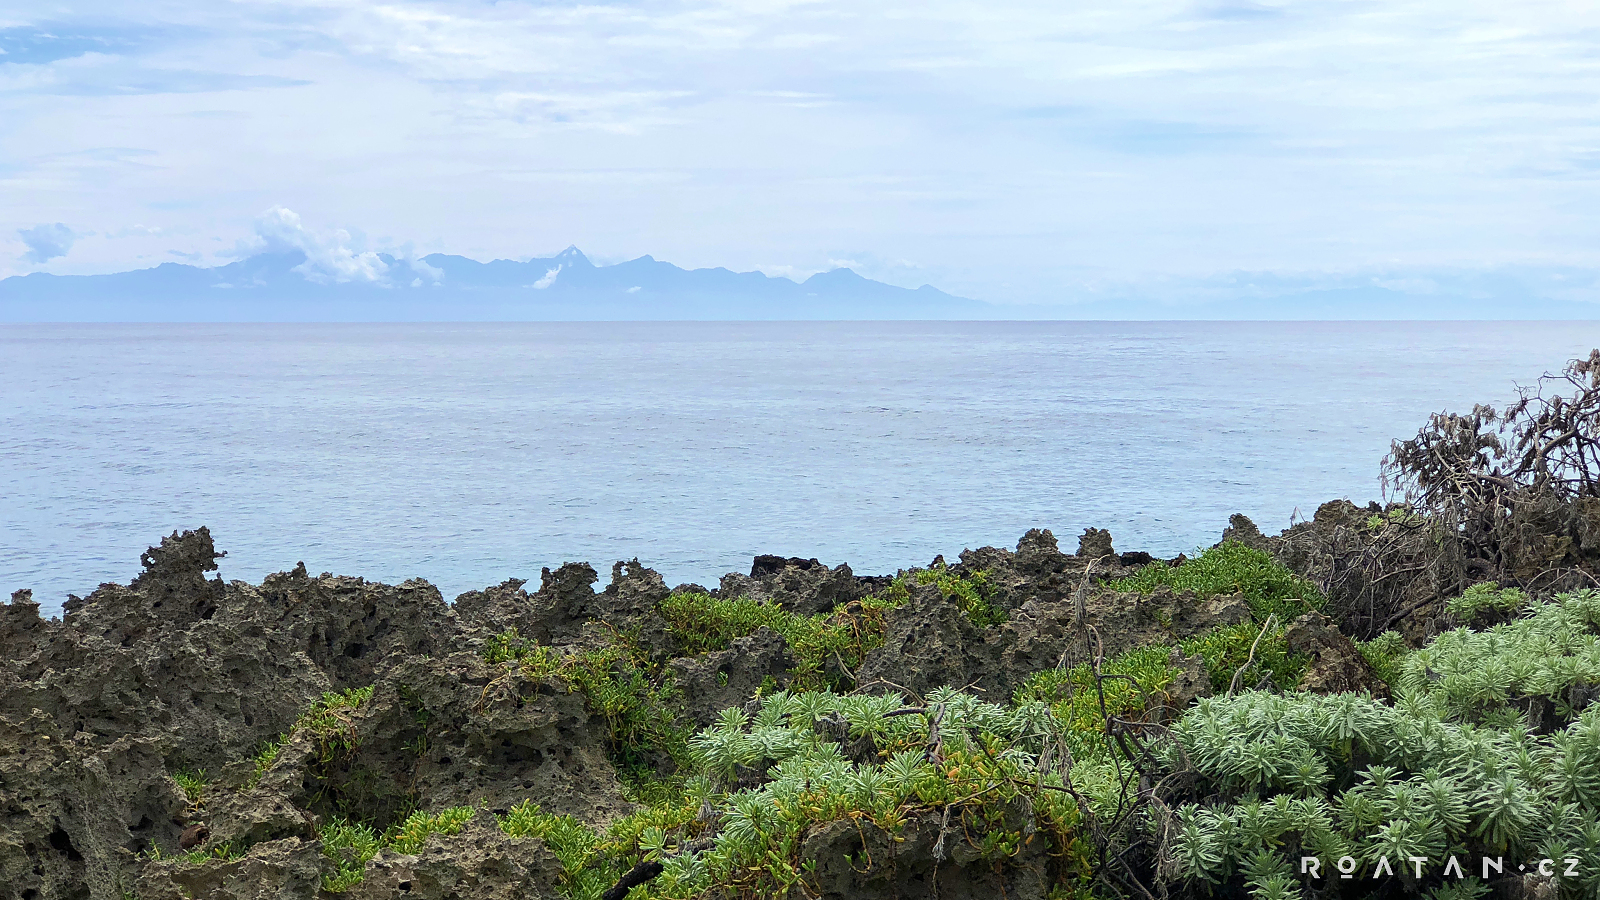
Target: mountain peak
572 256
837 275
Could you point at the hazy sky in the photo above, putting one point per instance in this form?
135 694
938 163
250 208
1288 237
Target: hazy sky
1002 150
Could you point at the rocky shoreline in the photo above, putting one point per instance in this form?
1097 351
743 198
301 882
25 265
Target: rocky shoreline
1380 683
109 708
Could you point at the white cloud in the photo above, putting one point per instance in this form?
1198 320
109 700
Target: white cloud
136 231
329 256
46 242
426 274
793 273
433 274
548 279
1408 285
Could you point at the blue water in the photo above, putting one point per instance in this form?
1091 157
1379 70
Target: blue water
468 454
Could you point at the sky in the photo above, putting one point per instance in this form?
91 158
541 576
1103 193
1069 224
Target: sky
1012 152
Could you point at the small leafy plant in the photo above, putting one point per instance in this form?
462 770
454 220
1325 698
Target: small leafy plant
1253 653
193 785
620 683
575 845
266 757
410 835
1485 597
347 848
1132 684
1386 654
329 720
331 724
971 592
226 852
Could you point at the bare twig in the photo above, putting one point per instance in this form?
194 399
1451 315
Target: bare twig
1233 686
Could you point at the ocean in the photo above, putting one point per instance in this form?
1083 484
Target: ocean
469 454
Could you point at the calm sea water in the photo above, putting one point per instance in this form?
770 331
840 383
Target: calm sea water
468 454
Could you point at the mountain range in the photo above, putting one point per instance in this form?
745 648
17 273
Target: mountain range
285 286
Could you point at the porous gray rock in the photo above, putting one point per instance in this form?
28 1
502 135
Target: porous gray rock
566 604
480 862
929 857
454 731
803 587
1337 665
497 609
288 869
1241 530
1095 543
180 672
712 682
930 642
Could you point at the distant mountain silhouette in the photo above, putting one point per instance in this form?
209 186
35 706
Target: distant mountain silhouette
277 287
287 287
1361 304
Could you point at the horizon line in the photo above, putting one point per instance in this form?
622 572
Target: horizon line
1218 321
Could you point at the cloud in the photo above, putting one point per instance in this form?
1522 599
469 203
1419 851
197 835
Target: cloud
124 80
793 273
136 230
548 279
330 256
39 44
47 242
406 255
1408 285
100 60
423 270
1237 11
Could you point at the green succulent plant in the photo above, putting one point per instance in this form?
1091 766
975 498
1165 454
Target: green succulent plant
1453 766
